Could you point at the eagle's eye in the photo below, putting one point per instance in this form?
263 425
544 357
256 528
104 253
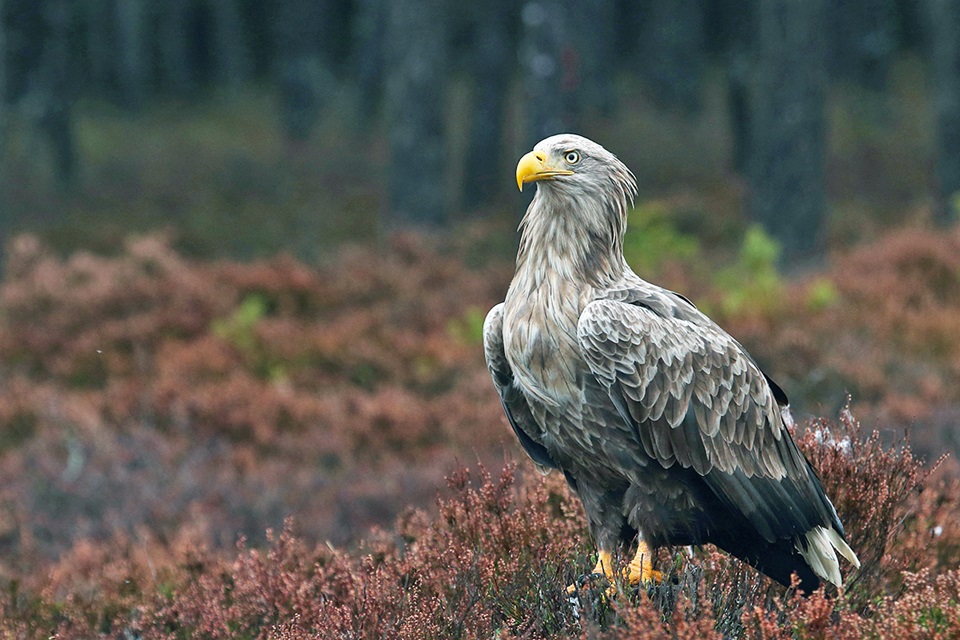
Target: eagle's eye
572 157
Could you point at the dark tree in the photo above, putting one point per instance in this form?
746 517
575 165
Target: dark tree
864 40
492 59
302 75
945 30
231 55
6 220
175 31
370 25
131 52
416 54
596 53
550 77
99 39
737 19
787 152
53 92
674 52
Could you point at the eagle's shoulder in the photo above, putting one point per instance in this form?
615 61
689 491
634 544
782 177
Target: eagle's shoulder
664 302
667 365
672 306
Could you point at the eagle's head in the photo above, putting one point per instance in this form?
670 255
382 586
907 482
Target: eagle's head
575 166
579 214
577 219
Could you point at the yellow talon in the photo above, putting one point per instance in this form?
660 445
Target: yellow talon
639 571
604 568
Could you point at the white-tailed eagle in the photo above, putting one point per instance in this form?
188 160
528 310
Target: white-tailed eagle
661 422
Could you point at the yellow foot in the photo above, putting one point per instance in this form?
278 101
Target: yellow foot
604 568
639 571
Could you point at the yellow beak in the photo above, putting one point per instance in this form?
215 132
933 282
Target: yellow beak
533 167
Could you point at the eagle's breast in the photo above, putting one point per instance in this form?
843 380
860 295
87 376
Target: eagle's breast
540 341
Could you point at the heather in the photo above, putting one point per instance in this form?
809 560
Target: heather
272 449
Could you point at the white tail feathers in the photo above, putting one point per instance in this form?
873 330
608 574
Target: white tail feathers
820 553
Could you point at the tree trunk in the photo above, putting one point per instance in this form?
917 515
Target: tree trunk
175 35
788 155
131 52
597 53
945 16
304 78
863 41
230 53
416 47
55 94
738 29
6 219
493 55
674 54
99 31
550 70
370 26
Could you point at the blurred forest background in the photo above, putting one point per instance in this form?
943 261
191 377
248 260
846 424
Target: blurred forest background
252 127
248 248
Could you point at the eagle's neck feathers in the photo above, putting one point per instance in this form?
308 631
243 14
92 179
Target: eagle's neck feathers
569 249
578 240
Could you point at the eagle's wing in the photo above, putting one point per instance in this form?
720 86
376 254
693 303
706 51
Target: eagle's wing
697 399
513 401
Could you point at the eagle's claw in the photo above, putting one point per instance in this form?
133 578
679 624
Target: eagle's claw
583 580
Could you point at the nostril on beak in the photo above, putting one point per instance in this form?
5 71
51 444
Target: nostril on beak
541 156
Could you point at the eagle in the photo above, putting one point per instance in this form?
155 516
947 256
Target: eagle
662 424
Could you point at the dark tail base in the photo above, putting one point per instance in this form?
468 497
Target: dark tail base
778 560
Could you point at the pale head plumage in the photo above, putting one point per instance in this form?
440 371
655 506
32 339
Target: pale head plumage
593 178
595 171
584 193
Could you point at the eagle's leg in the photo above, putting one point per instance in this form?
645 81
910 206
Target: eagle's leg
604 564
640 570
603 568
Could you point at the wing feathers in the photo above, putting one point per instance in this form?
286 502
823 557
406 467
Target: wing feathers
694 397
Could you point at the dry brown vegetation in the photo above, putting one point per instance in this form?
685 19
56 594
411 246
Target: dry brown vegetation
154 409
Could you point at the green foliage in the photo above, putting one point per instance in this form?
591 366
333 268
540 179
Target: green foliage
652 238
752 284
468 328
821 294
239 329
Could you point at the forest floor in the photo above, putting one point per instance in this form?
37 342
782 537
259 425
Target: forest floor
220 449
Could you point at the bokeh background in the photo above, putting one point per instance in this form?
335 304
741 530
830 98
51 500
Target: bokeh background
254 127
248 246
